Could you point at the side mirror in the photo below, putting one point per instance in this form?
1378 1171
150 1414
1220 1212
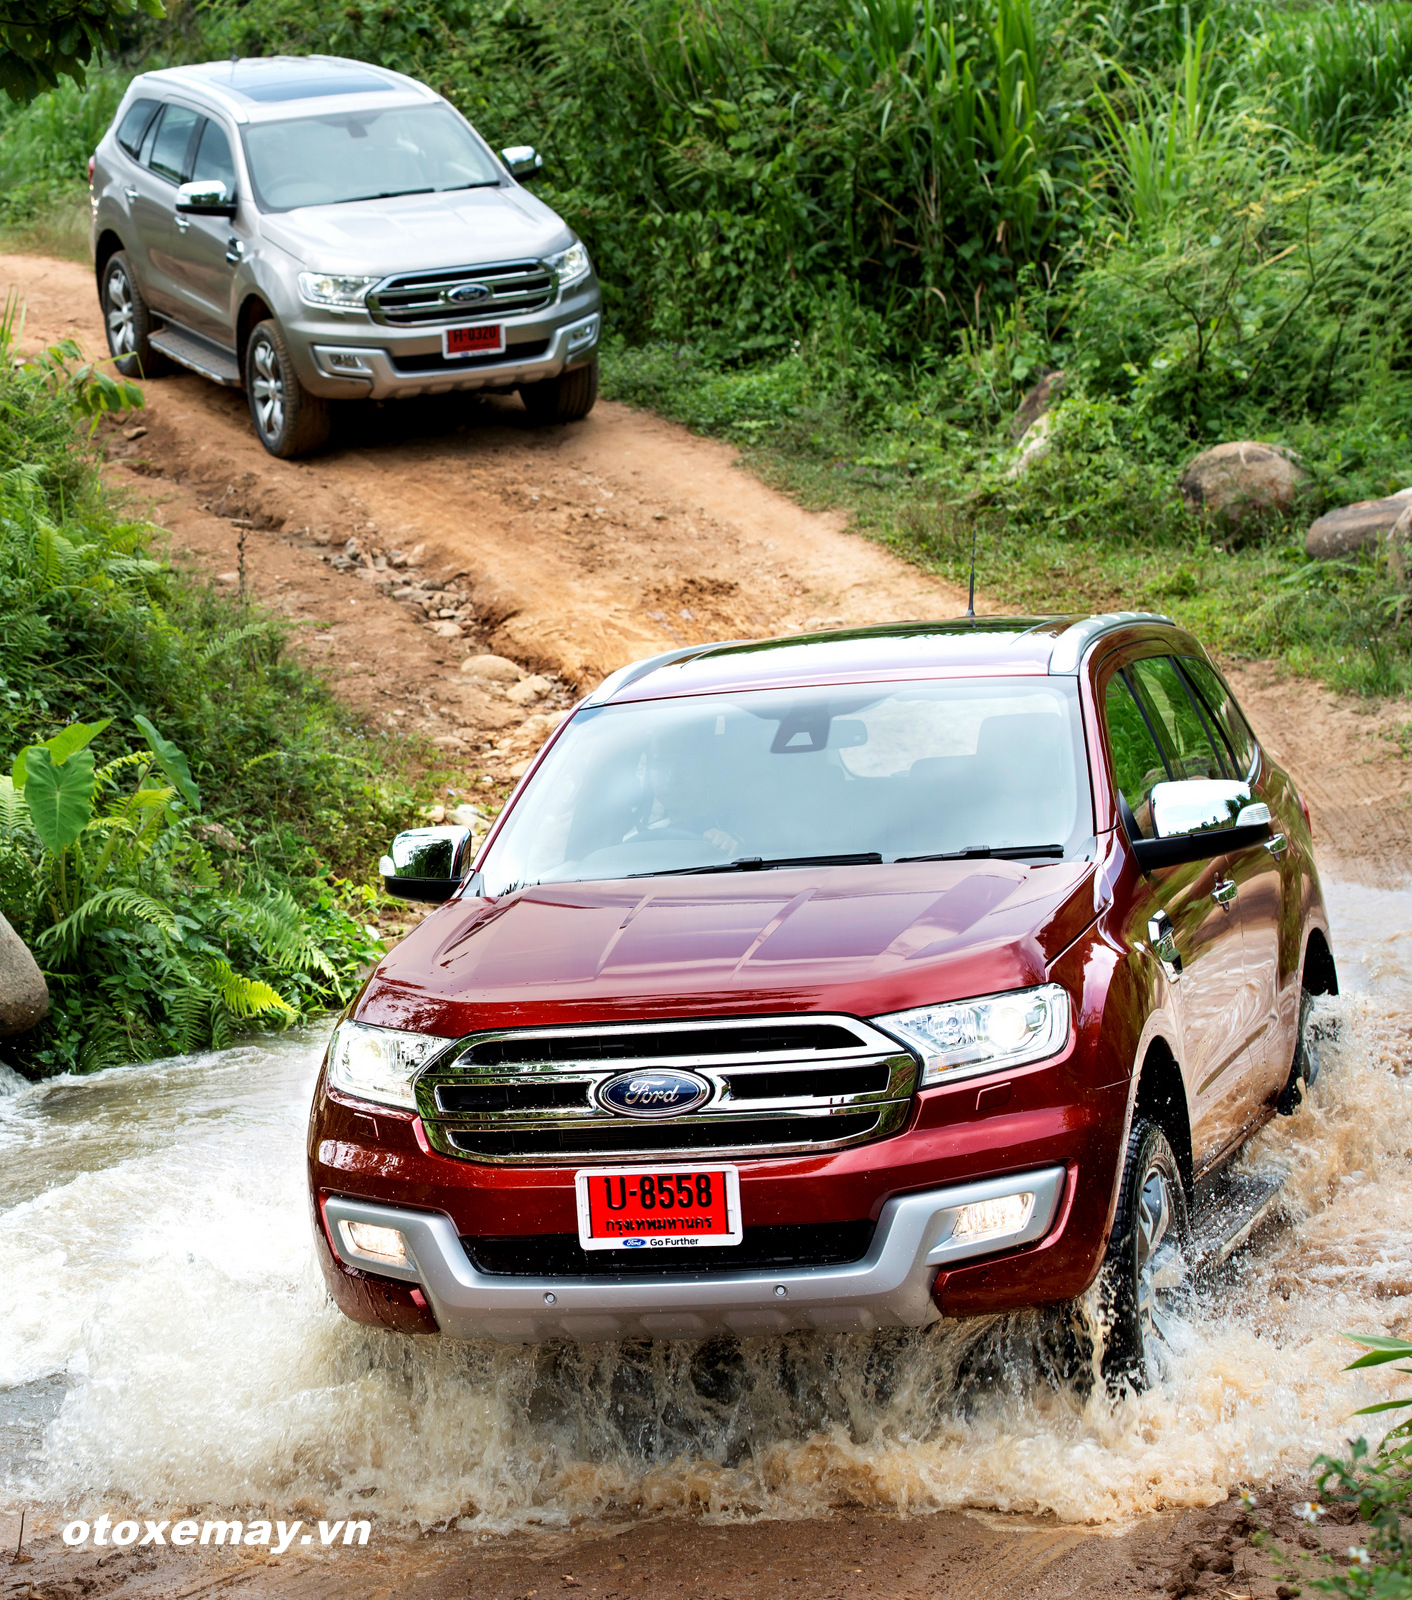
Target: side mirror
427 864
1194 819
523 160
205 197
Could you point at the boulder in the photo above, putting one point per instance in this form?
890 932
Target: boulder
493 669
1355 527
1230 481
1035 404
530 689
1398 539
1034 446
24 996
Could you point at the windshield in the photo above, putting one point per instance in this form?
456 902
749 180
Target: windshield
364 155
879 771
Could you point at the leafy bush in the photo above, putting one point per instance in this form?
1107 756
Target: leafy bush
182 794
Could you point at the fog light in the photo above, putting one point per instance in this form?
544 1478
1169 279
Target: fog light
992 1219
346 361
583 333
379 1244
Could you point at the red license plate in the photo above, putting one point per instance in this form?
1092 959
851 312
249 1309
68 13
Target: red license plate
481 339
655 1208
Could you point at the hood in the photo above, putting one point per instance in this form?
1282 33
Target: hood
419 232
858 940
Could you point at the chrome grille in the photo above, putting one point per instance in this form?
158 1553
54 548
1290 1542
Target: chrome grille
416 298
779 1086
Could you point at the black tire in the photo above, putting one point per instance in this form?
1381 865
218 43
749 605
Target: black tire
567 398
1144 1271
1305 1068
289 421
127 319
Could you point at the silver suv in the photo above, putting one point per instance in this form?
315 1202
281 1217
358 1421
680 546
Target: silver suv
315 229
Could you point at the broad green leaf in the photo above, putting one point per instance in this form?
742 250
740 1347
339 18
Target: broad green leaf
60 798
172 762
68 741
1381 1348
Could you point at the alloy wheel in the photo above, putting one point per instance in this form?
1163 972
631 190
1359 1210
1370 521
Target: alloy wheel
267 389
1160 1268
121 314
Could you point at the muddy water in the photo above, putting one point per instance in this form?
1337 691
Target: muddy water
165 1343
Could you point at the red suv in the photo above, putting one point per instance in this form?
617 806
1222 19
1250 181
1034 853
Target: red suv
835 982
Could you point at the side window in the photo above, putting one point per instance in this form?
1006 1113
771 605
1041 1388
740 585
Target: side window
213 158
1221 705
172 145
134 125
1180 726
1137 762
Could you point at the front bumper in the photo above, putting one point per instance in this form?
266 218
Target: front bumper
889 1287
349 356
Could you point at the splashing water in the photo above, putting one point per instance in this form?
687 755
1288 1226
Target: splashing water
165 1340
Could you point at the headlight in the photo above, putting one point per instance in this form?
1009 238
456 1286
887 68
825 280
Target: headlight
329 289
378 1063
972 1036
571 264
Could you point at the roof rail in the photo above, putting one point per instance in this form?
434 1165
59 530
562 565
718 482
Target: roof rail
1074 641
640 669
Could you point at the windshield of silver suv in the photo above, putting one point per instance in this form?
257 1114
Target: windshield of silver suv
779 777
364 155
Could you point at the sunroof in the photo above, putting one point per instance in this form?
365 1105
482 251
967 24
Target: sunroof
277 80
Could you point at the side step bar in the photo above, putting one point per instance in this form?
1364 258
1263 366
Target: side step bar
190 350
1226 1214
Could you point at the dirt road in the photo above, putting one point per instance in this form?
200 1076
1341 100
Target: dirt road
434 534
436 531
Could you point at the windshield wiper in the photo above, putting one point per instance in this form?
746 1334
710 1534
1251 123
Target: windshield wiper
866 858
393 194
985 852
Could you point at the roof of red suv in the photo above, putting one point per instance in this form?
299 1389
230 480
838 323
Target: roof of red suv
964 646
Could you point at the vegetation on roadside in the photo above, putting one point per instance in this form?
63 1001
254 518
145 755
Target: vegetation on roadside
849 234
182 797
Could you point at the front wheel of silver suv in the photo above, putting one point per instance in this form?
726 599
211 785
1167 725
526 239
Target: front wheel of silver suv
289 421
567 398
127 320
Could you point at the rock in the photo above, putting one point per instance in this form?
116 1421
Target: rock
24 996
1230 481
528 690
466 817
542 724
494 669
1398 539
134 433
217 833
227 577
434 814
446 630
1355 527
1035 404
1035 446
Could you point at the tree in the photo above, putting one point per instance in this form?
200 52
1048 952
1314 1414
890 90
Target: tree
42 41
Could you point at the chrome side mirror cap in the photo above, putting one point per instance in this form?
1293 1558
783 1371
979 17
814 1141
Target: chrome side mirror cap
428 864
205 197
1194 819
523 160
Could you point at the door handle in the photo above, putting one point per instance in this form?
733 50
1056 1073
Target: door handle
1277 845
183 222
1162 937
1224 894
129 193
235 250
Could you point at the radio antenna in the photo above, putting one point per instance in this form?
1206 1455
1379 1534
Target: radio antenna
971 599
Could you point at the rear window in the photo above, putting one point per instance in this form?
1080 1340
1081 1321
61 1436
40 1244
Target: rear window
902 769
135 123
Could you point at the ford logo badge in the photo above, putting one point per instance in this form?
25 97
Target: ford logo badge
469 294
653 1094
634 1244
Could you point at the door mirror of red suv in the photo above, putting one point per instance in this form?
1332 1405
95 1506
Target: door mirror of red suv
1194 819
427 864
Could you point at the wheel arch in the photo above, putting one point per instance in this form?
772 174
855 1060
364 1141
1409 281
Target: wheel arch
105 248
253 310
1161 1095
1320 974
